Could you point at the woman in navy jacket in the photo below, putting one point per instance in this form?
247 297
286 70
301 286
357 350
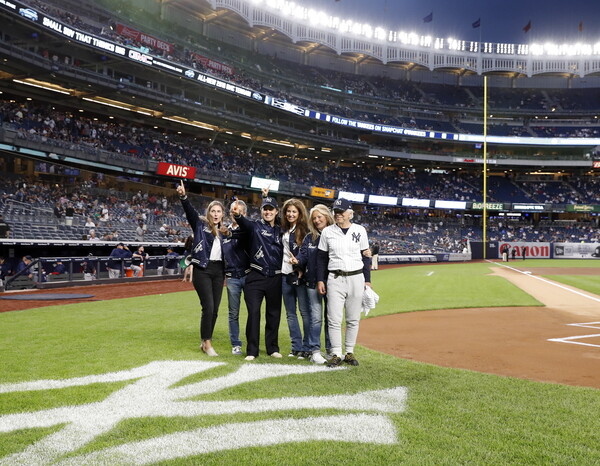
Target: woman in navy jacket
264 280
295 227
306 261
208 274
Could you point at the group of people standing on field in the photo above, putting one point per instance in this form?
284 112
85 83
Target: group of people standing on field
316 262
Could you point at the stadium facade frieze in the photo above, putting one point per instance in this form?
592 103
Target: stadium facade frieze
145 58
345 36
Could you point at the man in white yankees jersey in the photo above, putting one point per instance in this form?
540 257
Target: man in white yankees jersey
343 271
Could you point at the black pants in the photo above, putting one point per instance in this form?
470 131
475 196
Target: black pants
257 288
208 283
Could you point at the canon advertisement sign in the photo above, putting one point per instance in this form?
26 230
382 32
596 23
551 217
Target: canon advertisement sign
532 250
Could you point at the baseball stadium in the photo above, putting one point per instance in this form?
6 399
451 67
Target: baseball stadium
142 140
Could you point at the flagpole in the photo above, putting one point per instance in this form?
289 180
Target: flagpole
485 167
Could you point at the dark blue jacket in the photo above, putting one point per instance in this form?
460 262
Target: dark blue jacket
294 248
264 245
237 262
172 260
307 259
203 237
4 270
115 257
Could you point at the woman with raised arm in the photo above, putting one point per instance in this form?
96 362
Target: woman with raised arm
263 282
208 273
237 266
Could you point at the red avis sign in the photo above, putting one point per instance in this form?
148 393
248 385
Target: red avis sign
176 171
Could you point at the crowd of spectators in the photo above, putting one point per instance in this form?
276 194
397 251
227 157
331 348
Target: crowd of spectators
111 215
355 88
44 123
89 212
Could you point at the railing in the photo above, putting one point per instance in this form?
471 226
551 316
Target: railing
43 271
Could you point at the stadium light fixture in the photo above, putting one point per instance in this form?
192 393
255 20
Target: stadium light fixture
279 143
322 19
187 122
108 104
40 85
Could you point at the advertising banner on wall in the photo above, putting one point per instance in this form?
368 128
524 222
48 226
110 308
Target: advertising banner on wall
576 250
145 39
525 250
176 171
322 192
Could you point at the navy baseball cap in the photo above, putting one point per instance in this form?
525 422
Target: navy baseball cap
341 205
269 201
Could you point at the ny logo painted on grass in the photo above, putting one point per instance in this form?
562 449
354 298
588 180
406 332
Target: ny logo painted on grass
151 395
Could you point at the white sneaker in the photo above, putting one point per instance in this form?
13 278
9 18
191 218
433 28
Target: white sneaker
237 350
317 358
276 355
249 358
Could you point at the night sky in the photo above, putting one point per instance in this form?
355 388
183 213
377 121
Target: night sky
551 20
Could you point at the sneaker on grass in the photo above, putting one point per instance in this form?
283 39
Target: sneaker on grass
276 355
237 350
335 361
317 358
249 358
350 359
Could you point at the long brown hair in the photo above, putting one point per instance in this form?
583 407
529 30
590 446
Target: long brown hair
301 223
214 228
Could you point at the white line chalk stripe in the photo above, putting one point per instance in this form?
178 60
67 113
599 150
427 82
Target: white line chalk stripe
587 325
578 337
593 298
360 428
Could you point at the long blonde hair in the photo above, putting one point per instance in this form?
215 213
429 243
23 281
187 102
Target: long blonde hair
301 223
214 228
323 210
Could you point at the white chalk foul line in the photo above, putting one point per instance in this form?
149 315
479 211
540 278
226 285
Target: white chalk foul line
529 274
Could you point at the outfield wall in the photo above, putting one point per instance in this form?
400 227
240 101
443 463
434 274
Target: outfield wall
535 250
420 258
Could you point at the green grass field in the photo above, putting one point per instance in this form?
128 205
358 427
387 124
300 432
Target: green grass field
450 416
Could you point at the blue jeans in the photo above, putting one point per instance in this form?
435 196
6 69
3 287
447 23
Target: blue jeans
234 295
315 304
291 295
